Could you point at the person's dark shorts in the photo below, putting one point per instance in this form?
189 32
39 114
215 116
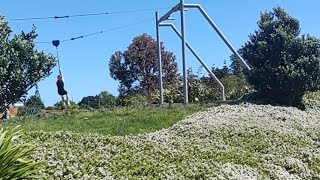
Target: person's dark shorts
63 92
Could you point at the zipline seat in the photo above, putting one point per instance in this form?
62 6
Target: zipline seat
56 43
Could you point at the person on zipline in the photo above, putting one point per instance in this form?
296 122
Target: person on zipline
61 91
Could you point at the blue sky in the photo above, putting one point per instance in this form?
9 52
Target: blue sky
85 61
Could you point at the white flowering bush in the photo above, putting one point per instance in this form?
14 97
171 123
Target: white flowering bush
226 142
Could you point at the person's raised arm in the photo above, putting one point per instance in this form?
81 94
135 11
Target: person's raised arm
60 73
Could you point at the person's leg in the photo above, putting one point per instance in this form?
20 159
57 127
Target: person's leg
63 103
68 102
67 97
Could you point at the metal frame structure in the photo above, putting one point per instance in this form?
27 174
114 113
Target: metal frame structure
181 7
198 58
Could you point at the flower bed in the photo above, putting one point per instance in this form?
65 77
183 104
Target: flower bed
225 142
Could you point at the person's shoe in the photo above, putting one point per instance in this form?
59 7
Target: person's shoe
69 103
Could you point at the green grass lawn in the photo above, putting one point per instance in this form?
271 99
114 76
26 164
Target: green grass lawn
113 122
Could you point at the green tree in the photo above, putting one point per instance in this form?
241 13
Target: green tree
136 68
198 88
221 72
284 65
235 87
235 67
194 85
172 94
102 100
35 102
121 70
89 102
21 65
134 100
107 100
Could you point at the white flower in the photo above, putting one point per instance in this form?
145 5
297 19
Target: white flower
229 142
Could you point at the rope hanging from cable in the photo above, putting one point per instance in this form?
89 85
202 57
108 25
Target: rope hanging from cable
56 44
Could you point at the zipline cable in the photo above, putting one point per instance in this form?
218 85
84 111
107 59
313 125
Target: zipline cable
86 15
99 32
107 30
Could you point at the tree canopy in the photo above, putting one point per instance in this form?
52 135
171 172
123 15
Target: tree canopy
22 66
35 102
284 65
102 100
137 67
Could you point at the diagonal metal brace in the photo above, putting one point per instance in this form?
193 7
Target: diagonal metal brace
215 27
167 15
198 58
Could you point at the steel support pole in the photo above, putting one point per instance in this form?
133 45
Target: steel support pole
159 59
198 58
215 27
185 78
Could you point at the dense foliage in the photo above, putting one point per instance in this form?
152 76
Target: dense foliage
14 157
21 65
59 106
204 89
284 65
137 68
34 102
102 100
